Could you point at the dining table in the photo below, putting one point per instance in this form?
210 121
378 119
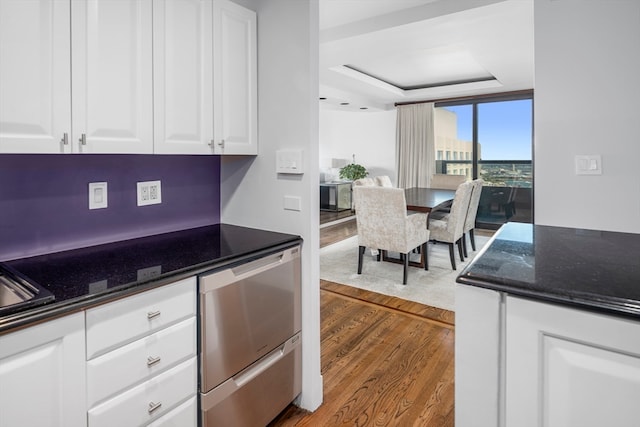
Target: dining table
424 199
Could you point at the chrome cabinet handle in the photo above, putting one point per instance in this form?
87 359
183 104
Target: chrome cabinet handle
221 143
152 361
65 139
154 406
153 314
83 139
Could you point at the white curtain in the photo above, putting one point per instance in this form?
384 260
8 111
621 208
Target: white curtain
415 145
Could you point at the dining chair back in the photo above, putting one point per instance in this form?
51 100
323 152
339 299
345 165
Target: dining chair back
472 212
383 181
383 223
448 182
449 228
364 182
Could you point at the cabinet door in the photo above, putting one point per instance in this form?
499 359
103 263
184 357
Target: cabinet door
112 76
42 375
182 81
35 91
566 367
235 79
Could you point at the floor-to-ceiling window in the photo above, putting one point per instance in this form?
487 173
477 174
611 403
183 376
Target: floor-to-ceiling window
490 138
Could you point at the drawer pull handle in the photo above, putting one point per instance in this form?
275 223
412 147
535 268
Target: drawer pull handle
152 314
152 361
154 406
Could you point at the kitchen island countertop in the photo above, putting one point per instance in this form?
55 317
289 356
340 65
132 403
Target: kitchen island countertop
85 277
588 269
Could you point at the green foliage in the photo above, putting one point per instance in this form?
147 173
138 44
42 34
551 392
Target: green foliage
353 171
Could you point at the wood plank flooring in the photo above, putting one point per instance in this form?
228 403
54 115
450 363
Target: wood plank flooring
381 366
384 361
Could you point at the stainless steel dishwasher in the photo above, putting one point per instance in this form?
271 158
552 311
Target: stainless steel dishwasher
250 347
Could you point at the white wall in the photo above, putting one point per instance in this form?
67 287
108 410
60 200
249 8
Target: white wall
371 136
251 191
587 101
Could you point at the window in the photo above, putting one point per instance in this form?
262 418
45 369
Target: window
492 136
439 156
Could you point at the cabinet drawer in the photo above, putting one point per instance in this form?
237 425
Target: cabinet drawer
135 406
123 321
185 415
140 360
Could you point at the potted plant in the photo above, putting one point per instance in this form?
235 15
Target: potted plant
353 171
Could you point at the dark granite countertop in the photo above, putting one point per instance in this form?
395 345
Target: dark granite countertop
589 269
85 277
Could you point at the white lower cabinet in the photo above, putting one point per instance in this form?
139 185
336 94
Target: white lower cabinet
133 363
141 358
185 414
526 363
42 375
567 367
144 403
136 358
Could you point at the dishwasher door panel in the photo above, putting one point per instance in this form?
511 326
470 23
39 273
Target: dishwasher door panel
256 395
246 312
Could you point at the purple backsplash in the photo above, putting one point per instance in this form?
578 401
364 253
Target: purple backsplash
44 204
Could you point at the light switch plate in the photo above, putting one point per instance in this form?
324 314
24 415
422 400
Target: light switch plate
292 203
289 161
588 164
98 195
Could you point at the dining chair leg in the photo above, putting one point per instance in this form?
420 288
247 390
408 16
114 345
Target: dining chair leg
464 245
425 256
459 243
360 254
473 240
453 258
405 261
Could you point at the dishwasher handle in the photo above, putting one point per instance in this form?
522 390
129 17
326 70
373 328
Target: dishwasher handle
228 276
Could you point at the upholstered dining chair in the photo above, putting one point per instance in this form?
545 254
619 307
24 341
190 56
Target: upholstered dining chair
383 224
448 182
383 181
449 229
472 212
364 182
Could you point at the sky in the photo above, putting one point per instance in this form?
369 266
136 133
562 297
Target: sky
504 128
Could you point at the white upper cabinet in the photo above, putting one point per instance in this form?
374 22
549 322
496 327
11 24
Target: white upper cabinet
205 77
235 79
183 86
128 76
112 76
35 77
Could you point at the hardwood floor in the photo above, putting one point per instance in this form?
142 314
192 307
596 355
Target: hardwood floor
381 366
384 361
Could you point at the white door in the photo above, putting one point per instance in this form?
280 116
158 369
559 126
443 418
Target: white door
235 79
35 91
112 76
567 367
183 85
42 375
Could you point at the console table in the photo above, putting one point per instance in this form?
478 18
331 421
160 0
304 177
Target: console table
335 196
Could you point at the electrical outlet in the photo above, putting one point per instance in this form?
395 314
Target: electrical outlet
149 193
97 195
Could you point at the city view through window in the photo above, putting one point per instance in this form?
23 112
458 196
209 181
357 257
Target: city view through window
502 154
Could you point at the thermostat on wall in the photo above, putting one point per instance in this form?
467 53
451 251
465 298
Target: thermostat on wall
289 161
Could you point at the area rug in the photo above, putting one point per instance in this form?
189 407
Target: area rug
435 287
